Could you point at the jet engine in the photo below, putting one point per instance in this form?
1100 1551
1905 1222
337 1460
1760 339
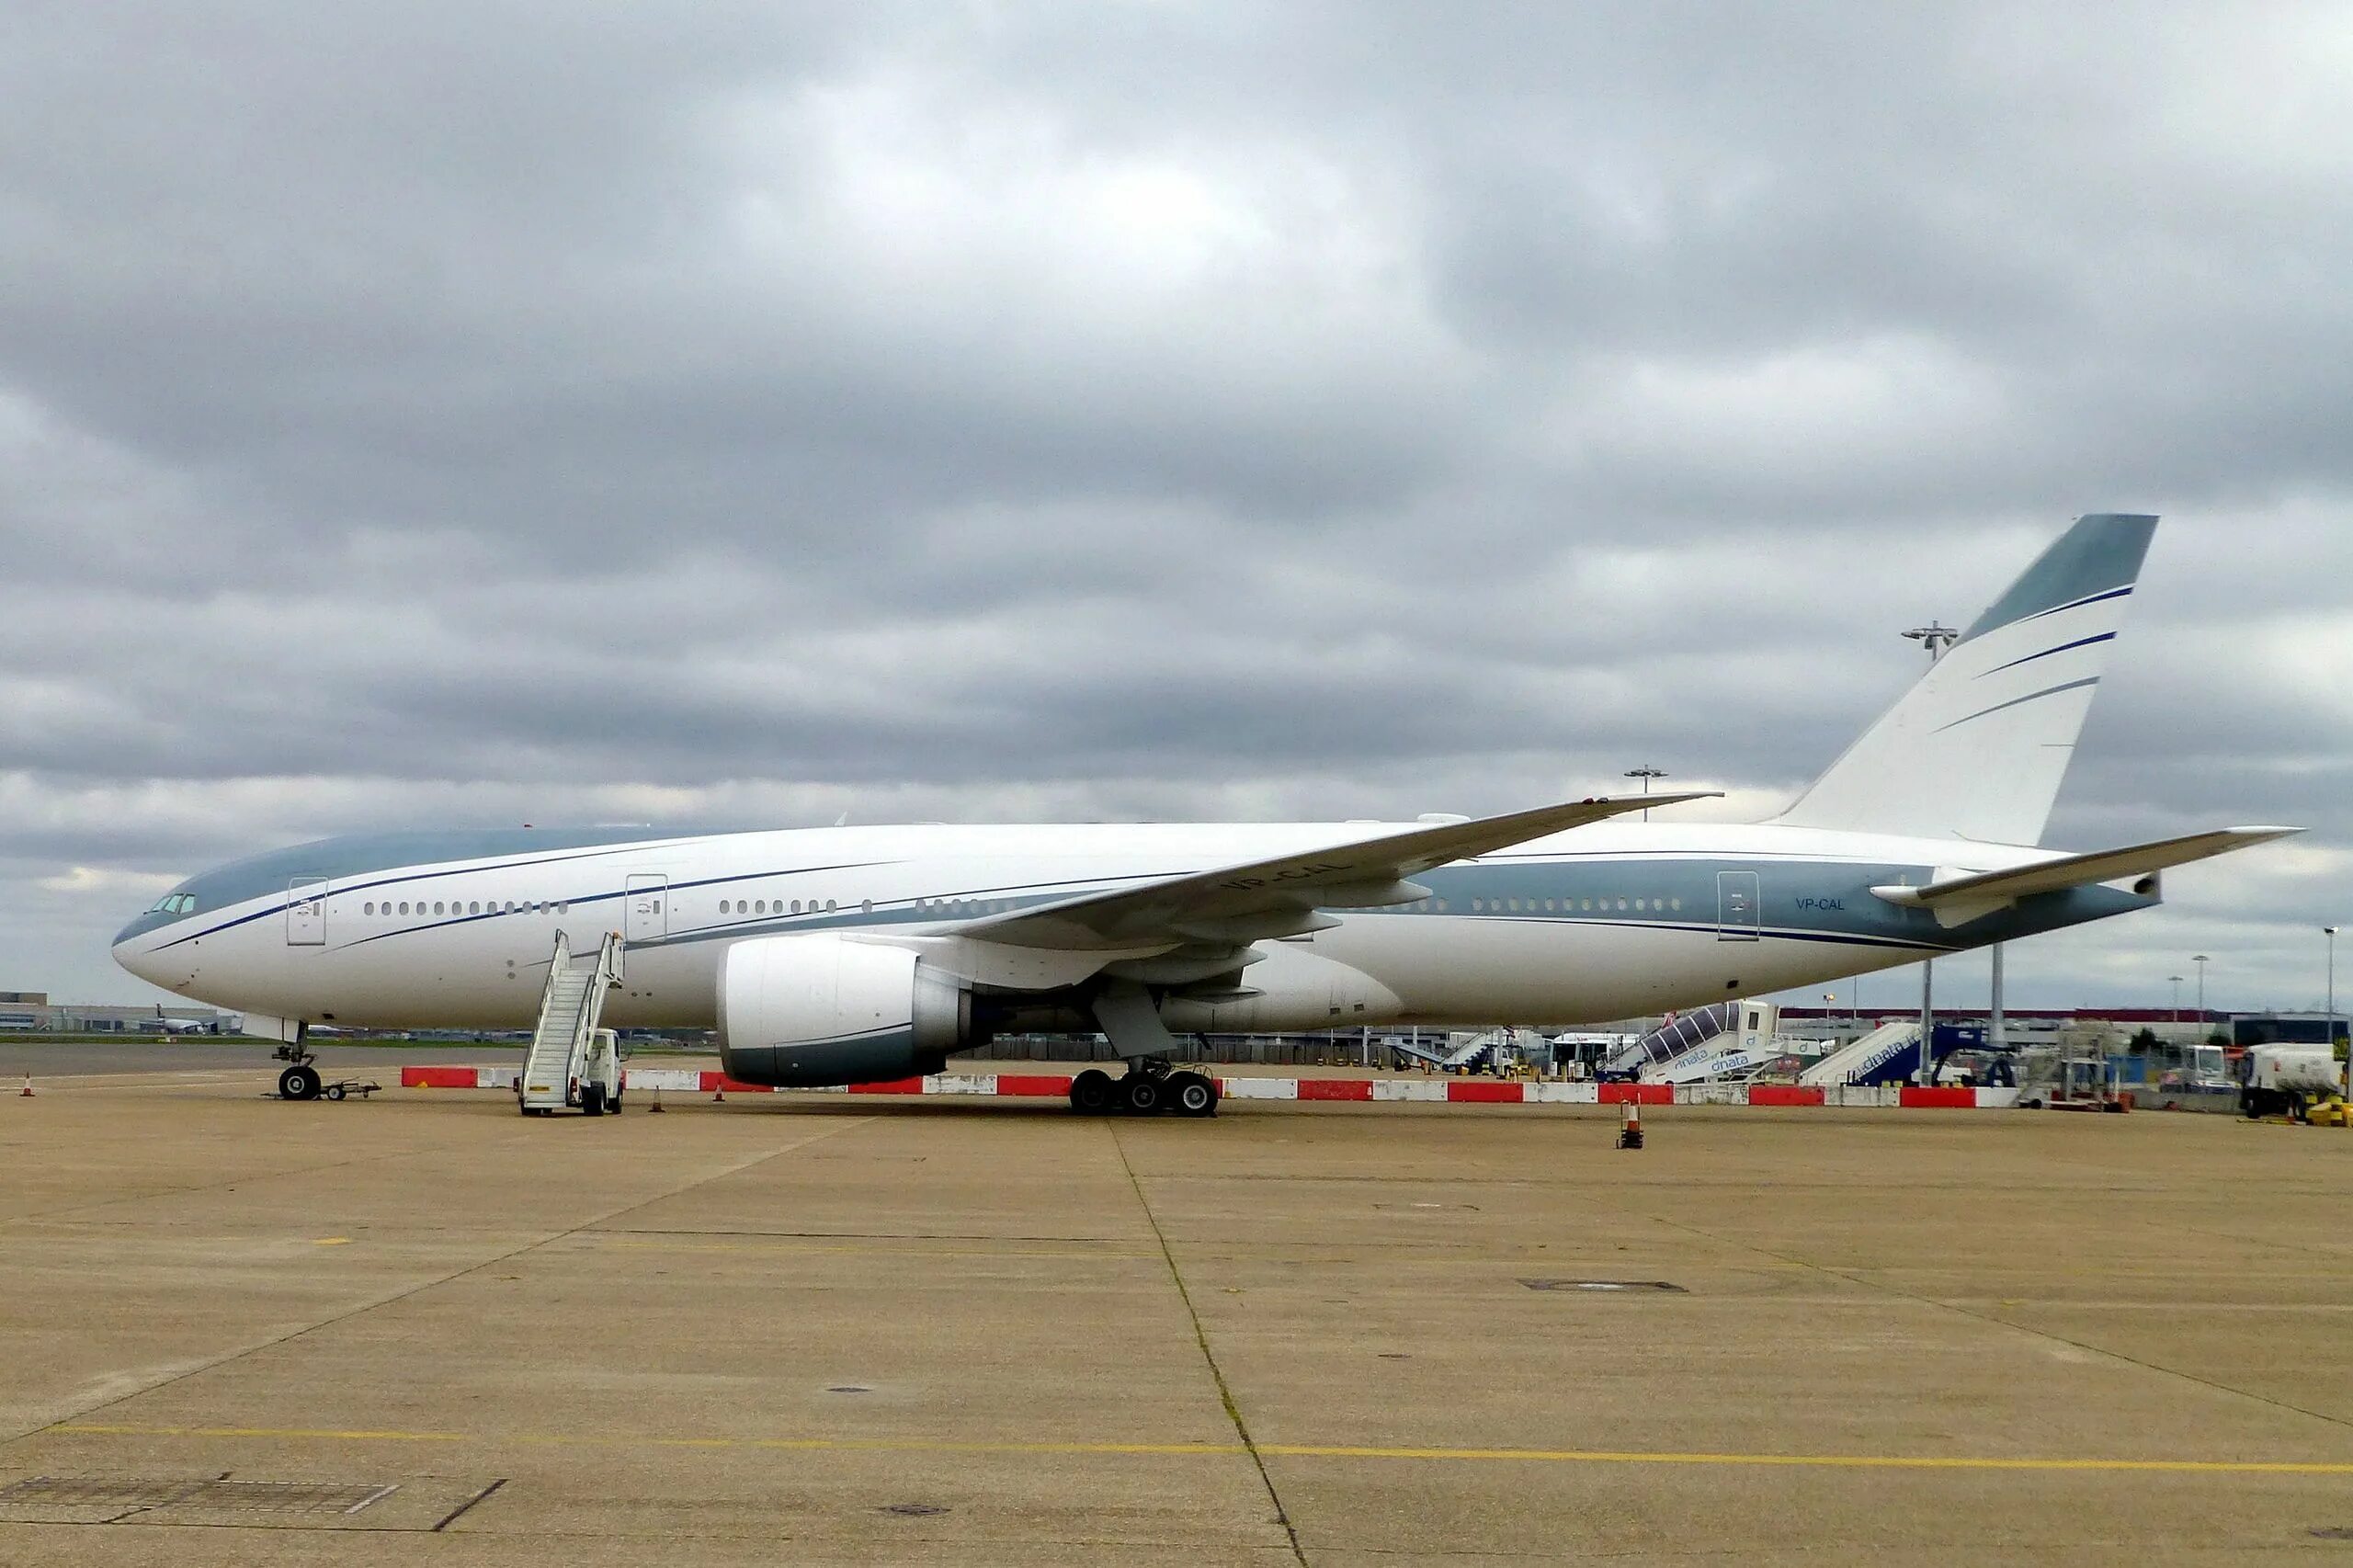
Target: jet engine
801 1012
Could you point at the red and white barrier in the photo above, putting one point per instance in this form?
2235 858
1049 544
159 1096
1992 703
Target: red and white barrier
1448 1091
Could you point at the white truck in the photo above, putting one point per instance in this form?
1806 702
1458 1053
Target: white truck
2276 1080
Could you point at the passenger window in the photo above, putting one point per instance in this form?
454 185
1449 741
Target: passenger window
1678 903
1621 906
1637 904
867 907
829 906
367 909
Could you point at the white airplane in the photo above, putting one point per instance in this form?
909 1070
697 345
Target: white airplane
827 956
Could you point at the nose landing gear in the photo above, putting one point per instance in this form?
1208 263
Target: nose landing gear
302 1080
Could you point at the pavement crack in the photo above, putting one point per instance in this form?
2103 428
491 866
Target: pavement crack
1942 1304
373 1303
1202 1338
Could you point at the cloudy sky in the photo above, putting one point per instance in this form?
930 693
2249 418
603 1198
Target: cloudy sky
476 414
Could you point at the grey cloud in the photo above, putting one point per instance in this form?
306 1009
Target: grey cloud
748 413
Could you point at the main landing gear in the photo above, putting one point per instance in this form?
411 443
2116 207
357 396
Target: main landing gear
1149 1086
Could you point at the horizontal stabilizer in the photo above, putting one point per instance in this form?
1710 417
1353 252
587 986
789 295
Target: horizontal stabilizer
1955 899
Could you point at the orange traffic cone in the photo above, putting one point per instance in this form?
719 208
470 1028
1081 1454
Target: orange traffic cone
719 1093
656 1105
1630 1126
27 1092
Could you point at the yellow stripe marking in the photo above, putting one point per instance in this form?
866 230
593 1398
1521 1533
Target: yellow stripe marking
331 1240
1285 1451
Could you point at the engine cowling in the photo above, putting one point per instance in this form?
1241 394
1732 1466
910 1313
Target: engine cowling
801 1012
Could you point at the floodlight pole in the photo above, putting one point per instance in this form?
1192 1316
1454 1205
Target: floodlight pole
1646 773
1937 639
2330 932
1997 1034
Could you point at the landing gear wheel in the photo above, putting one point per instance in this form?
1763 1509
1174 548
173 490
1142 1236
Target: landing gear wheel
1090 1092
1190 1094
299 1081
592 1099
1141 1094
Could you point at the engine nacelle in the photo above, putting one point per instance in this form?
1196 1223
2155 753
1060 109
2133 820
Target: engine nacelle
801 1012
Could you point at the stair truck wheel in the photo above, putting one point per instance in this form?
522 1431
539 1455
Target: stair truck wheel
592 1099
1141 1094
1192 1093
299 1081
1090 1092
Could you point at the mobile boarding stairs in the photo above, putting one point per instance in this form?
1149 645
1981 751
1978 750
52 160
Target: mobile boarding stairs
1464 1052
574 1064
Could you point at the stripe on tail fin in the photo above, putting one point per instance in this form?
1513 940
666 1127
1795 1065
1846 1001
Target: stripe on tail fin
1979 745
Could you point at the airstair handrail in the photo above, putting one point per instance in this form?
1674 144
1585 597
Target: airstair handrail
557 964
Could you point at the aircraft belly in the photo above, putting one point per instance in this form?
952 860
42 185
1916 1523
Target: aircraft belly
1473 971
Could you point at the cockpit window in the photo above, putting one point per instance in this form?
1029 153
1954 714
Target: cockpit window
175 904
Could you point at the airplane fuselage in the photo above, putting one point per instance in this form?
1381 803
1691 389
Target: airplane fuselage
1608 921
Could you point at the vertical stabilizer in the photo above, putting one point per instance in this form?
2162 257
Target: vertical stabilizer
1977 748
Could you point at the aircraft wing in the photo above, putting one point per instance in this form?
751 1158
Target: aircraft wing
1967 897
1262 899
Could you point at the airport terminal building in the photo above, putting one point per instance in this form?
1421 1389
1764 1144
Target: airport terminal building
33 1011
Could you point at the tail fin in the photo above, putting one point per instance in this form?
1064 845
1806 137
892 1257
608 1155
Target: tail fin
1977 748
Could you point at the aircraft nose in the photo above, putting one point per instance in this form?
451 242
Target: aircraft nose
133 952
127 954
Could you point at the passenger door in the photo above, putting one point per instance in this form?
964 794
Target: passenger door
306 914
1737 901
648 917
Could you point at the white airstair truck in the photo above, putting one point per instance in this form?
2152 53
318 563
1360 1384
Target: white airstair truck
1723 1039
572 1064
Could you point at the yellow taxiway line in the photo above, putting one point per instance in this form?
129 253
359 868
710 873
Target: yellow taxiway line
1283 1450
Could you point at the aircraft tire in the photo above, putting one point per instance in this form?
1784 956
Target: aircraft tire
1192 1093
1090 1092
1141 1095
299 1081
